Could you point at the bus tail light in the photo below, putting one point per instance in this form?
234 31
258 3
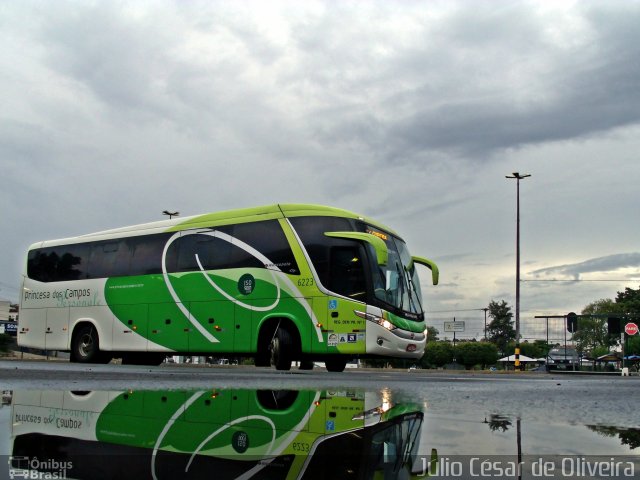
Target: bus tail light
411 347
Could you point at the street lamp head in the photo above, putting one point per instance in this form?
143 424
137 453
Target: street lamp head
170 214
518 175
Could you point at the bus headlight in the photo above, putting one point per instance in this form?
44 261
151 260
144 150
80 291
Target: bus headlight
374 412
375 319
387 324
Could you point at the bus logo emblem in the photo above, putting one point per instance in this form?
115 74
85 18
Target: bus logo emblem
246 284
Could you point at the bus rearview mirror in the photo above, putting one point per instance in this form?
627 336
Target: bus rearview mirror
435 273
382 253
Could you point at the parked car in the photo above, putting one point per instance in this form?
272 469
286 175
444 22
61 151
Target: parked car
562 358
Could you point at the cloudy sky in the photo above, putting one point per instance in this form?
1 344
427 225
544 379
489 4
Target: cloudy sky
409 112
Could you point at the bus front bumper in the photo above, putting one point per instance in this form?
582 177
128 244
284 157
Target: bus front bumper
394 343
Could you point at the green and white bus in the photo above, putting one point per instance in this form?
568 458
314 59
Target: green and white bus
280 283
214 433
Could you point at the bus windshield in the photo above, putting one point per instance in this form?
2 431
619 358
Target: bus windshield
397 282
338 263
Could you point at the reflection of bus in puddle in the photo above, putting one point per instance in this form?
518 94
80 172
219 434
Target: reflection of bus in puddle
240 434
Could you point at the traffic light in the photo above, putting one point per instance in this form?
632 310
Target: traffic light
572 322
614 325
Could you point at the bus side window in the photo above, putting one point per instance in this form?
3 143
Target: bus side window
347 272
186 253
318 245
146 254
268 238
212 253
109 259
58 264
237 256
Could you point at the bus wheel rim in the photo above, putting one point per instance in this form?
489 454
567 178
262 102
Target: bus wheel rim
86 345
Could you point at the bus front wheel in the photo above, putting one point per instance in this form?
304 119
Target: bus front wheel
281 349
85 345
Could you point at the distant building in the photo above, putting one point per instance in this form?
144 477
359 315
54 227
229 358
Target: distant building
5 306
14 308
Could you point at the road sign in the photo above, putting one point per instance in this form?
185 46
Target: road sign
454 326
631 328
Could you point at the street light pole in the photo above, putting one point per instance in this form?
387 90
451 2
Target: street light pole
518 176
485 309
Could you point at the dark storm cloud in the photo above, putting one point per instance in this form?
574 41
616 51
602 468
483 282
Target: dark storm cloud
467 84
608 263
511 81
119 60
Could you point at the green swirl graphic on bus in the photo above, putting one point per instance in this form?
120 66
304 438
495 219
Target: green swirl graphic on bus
279 283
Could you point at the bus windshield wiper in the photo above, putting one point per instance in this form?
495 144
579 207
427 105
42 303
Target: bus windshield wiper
414 301
402 281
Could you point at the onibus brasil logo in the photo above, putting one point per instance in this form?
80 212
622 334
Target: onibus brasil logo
35 468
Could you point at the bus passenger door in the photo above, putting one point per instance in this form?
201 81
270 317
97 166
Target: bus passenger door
215 317
57 332
346 330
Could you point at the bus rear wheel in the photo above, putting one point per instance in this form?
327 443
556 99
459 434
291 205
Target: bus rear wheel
281 349
85 345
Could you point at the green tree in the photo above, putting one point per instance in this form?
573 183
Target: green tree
437 354
599 351
537 349
470 354
500 330
499 422
629 303
432 334
627 436
592 333
633 345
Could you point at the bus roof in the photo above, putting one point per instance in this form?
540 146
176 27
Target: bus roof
226 217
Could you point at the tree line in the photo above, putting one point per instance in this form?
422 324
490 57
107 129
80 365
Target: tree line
591 336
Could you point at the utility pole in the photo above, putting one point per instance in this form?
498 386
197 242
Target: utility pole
454 342
485 309
518 176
